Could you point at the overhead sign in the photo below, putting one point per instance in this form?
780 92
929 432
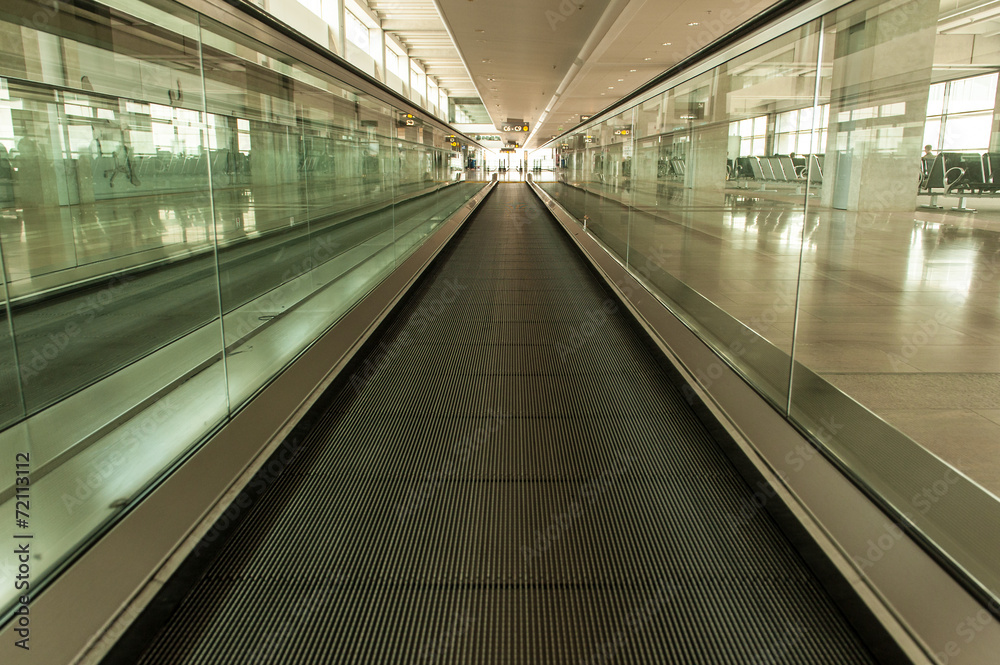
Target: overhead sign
514 128
623 132
508 149
584 118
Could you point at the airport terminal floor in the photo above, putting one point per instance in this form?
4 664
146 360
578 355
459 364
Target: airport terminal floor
295 369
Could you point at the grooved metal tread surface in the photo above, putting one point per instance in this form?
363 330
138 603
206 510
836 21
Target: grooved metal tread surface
508 477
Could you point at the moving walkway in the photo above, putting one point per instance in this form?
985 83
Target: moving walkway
507 475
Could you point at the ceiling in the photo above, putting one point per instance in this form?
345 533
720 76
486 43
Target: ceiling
417 25
546 62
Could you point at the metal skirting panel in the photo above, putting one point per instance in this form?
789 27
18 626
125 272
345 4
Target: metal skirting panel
508 476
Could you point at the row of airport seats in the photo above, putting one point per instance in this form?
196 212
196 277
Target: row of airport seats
6 180
671 168
962 174
165 171
779 168
119 170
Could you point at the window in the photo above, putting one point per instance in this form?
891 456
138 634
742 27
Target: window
392 61
358 33
752 133
960 114
794 131
432 93
416 79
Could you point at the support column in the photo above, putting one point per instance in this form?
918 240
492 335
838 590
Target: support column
705 165
995 129
380 69
882 59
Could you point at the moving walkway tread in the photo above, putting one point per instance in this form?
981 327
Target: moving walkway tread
508 476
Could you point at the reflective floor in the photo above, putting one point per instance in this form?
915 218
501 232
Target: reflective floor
50 247
900 311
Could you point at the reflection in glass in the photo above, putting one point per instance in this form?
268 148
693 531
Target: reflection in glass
785 207
168 251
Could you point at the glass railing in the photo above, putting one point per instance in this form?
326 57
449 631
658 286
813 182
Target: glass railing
183 210
776 200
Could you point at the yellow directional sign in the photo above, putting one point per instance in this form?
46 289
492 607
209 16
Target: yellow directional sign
515 128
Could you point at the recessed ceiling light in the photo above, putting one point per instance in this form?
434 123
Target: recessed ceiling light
666 44
621 79
611 87
693 23
648 58
631 70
